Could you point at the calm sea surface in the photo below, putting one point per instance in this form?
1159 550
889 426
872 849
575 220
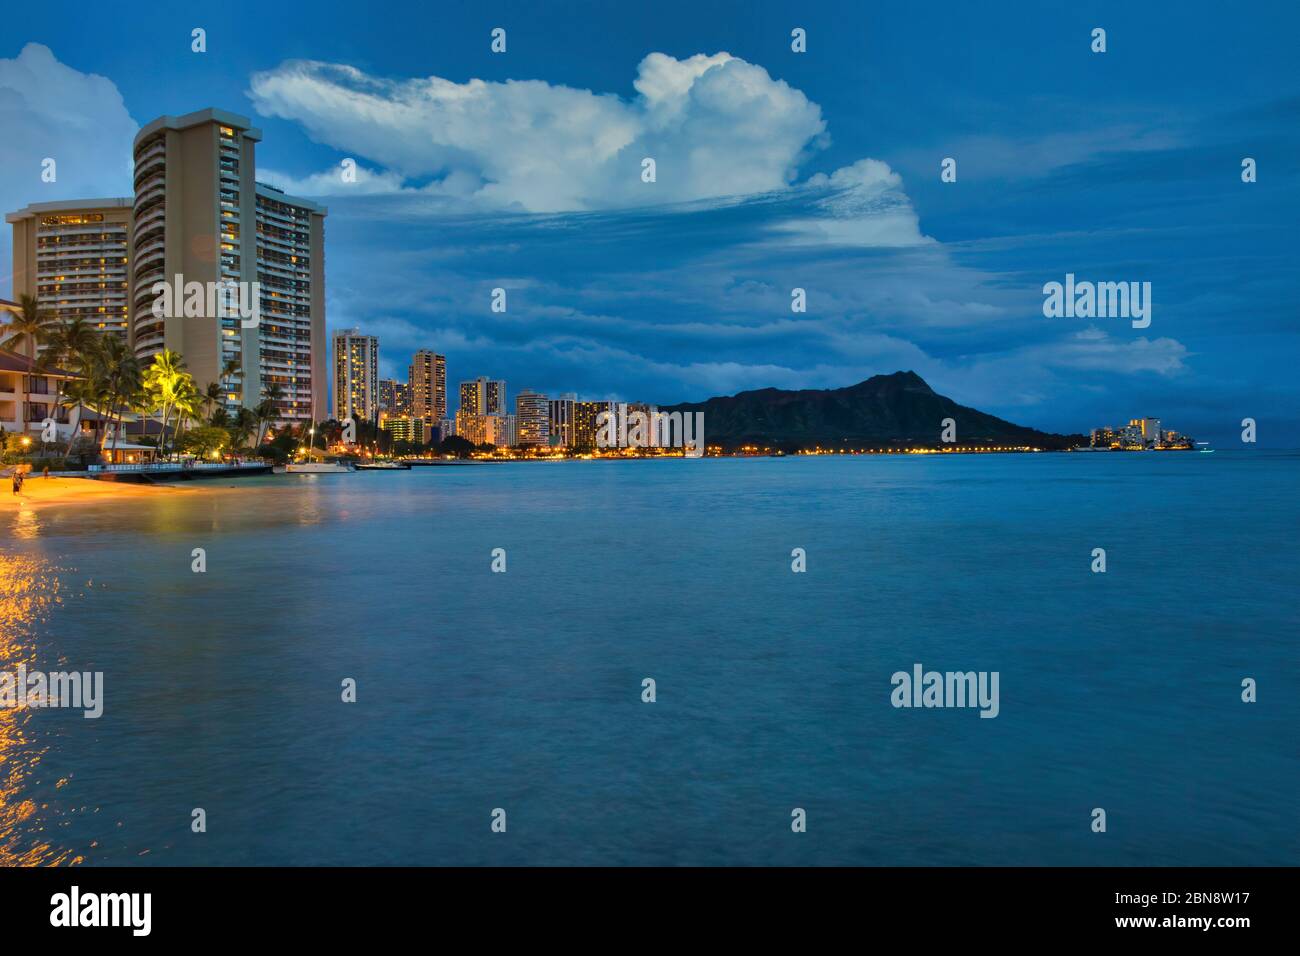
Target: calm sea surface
522 690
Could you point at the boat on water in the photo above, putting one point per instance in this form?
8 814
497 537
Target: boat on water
382 466
310 466
317 468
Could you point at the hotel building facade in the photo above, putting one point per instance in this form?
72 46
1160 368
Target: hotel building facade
197 212
74 257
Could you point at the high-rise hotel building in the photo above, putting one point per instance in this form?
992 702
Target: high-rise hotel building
427 385
291 271
355 365
196 217
199 213
532 418
74 257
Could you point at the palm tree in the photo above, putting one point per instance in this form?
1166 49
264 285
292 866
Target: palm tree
92 389
27 327
163 380
188 402
274 392
123 378
71 344
228 371
264 412
211 395
242 426
266 409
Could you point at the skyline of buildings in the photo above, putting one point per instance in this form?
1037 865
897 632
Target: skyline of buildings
1139 433
484 414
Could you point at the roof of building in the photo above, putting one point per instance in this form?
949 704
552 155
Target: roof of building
198 118
275 192
68 205
14 362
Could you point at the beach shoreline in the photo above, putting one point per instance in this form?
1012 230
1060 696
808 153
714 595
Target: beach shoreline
41 492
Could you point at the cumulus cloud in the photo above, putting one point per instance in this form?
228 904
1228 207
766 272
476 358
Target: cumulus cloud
716 126
1093 349
51 110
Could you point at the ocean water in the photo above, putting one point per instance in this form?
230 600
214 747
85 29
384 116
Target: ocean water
522 691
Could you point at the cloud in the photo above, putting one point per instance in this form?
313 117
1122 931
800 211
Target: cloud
50 110
1092 349
366 182
716 126
862 205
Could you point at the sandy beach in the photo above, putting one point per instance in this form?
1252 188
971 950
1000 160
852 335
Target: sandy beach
40 492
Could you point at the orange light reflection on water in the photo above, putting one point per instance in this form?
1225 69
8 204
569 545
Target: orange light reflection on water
28 589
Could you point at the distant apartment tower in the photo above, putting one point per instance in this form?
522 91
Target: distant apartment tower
498 430
532 418
471 398
471 427
407 428
394 400
561 419
355 367
507 431
483 396
494 397
427 382
199 213
74 258
585 422
1149 429
1104 437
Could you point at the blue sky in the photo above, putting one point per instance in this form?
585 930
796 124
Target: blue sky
774 170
